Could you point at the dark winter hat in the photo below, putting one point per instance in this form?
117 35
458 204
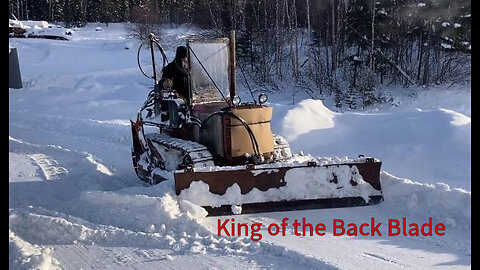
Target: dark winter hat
181 52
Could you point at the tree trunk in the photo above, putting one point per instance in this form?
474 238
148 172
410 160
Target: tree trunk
355 67
426 68
309 37
309 28
295 64
420 56
334 35
372 58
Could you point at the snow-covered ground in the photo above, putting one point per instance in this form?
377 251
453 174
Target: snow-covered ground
76 203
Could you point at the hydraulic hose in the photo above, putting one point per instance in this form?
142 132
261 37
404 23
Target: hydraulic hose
152 40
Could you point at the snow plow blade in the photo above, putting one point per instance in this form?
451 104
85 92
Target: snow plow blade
271 188
279 206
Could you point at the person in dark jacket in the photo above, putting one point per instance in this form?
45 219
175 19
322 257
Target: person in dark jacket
177 71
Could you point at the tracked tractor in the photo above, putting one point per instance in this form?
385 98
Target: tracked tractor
220 153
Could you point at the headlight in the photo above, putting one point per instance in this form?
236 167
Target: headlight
236 100
262 98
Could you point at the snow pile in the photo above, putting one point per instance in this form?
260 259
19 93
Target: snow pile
451 206
49 166
22 168
58 32
405 140
138 212
178 232
192 211
236 209
25 256
455 98
307 116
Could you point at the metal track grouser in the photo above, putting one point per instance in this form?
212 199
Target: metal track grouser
221 153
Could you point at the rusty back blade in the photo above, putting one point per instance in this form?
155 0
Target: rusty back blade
265 178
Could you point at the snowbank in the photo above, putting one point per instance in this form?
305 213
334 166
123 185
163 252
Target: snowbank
451 206
426 145
22 168
308 115
178 232
25 256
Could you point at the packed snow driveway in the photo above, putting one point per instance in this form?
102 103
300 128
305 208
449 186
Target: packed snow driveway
76 203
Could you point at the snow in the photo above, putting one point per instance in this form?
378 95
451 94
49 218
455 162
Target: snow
309 115
236 209
23 255
383 12
39 24
404 140
22 168
446 46
453 209
76 203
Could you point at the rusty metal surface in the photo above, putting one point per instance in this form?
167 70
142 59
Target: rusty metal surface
219 181
370 171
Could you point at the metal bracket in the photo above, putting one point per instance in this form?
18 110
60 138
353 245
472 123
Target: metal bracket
188 168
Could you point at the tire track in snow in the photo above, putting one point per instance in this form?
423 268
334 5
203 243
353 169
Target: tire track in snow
108 143
79 174
111 133
49 166
100 167
385 259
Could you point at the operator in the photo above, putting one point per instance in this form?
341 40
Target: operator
177 71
